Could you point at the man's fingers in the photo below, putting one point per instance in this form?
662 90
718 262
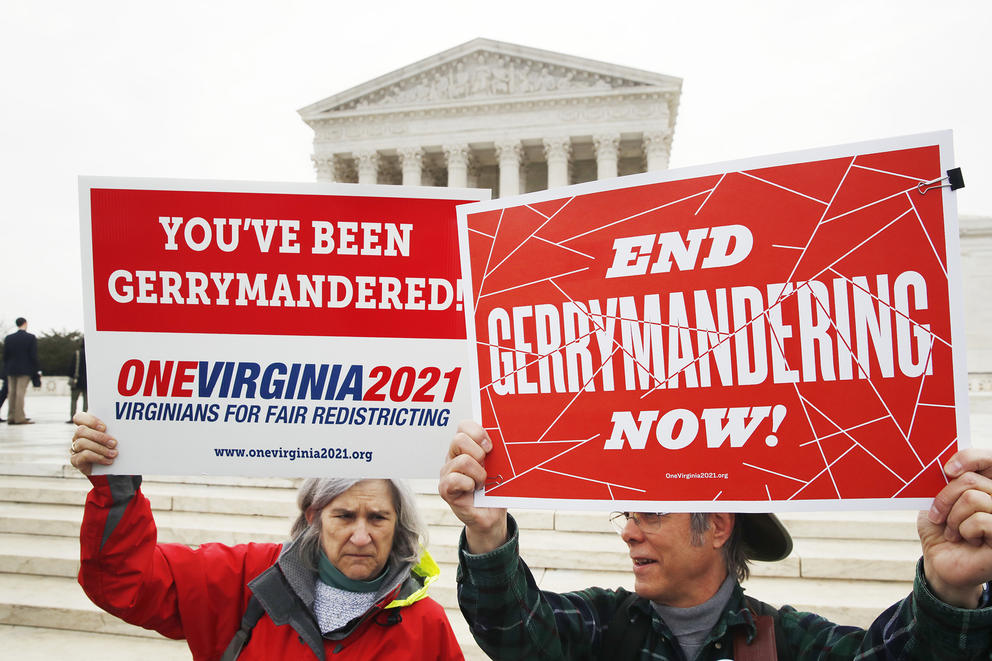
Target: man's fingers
464 443
970 503
476 432
949 495
977 460
969 469
463 471
470 467
977 528
455 485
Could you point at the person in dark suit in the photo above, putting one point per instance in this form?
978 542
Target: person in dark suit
77 380
20 358
3 391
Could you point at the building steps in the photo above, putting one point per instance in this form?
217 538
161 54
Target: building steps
57 602
38 506
40 517
847 566
44 643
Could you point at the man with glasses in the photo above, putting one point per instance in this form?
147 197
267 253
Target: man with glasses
687 601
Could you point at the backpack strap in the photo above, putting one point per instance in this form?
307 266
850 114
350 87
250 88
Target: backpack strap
253 613
624 635
769 640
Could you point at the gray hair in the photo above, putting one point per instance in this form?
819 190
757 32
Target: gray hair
317 493
733 549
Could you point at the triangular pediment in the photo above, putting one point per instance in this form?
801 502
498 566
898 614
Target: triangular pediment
484 69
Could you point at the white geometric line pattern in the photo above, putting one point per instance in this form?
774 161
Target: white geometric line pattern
710 193
540 465
636 215
589 479
560 282
765 181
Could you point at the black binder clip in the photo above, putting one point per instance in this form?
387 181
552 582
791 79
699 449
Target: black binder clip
954 179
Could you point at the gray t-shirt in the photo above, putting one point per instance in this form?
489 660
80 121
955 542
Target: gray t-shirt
692 625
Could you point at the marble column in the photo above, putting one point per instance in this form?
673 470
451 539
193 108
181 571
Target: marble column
607 153
508 153
657 147
411 161
457 157
557 151
324 166
522 181
473 172
368 166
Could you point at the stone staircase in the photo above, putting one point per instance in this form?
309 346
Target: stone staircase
846 566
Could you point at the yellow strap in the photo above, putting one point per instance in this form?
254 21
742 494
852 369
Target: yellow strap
426 569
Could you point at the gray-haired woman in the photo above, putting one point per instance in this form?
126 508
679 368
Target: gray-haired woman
350 583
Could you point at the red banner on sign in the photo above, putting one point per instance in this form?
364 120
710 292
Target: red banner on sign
275 264
779 333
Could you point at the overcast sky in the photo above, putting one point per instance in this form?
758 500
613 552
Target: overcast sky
210 89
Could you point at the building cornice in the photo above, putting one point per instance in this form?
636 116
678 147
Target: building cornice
568 74
501 104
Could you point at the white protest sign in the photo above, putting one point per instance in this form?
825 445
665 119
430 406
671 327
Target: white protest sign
274 329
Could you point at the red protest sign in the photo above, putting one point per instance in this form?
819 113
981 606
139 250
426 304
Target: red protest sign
275 263
775 330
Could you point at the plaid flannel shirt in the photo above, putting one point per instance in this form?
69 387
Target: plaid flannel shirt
512 619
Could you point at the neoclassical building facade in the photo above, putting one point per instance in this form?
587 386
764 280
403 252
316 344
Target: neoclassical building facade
513 119
494 115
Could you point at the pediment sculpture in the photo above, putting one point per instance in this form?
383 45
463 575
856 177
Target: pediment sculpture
485 75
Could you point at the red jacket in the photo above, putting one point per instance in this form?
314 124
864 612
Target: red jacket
201 594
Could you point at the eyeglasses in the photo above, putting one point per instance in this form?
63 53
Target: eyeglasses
646 521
